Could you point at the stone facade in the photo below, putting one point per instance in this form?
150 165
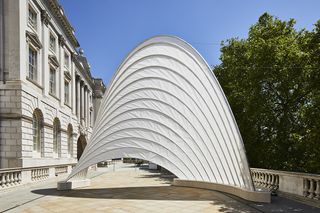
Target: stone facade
43 75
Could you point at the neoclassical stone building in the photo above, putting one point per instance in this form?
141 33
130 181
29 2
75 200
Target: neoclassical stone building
48 98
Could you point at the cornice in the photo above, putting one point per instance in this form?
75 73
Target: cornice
45 18
53 60
58 12
83 72
62 40
67 75
33 38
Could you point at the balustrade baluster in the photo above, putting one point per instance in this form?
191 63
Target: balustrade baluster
14 178
268 181
254 177
19 177
7 180
311 189
259 179
305 187
3 180
272 181
265 180
317 192
11 179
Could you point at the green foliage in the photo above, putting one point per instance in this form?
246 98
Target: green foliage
272 82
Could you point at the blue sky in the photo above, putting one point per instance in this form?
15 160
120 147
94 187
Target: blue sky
108 29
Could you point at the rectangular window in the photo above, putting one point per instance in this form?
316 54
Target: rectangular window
66 92
52 81
32 64
32 18
52 43
66 60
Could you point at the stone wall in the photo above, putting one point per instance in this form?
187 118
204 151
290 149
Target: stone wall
10 127
20 96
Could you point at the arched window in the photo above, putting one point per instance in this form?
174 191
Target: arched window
37 126
56 138
70 140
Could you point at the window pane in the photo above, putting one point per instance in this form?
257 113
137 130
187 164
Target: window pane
32 64
32 19
52 81
35 133
52 44
66 60
66 92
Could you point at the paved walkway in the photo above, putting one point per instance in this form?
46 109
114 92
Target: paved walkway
128 189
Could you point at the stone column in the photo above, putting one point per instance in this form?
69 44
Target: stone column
45 72
73 85
61 69
82 101
88 107
91 107
85 104
78 98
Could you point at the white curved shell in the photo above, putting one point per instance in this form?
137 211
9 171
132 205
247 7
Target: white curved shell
165 105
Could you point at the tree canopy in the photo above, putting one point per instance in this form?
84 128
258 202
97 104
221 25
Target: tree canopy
272 82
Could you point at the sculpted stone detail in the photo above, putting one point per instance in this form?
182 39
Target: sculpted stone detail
45 18
62 40
33 38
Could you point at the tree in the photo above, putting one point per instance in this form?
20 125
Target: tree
272 82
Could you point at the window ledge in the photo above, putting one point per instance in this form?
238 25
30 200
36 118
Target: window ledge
54 96
66 104
34 82
34 30
53 52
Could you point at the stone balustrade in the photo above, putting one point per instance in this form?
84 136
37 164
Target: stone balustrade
302 184
39 174
311 187
265 179
11 177
61 170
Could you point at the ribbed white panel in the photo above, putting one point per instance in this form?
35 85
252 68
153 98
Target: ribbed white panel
165 105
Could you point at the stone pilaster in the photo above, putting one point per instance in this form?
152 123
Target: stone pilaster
88 106
82 101
78 98
85 104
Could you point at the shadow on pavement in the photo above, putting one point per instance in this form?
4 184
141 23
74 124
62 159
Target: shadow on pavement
226 203
140 193
166 193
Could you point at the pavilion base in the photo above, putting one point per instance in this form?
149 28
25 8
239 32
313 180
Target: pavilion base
73 184
255 196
